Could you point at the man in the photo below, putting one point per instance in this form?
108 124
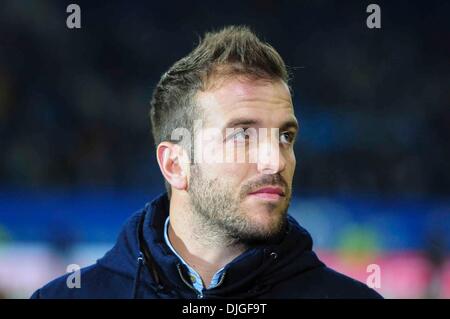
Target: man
224 128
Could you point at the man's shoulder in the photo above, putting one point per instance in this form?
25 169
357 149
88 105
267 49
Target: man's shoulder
93 281
324 282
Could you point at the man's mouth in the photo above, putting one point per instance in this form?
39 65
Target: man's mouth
268 193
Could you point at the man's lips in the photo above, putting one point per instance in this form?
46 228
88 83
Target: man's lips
269 193
269 190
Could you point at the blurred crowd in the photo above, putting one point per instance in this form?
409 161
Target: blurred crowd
374 105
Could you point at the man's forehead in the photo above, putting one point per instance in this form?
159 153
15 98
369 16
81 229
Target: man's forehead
237 96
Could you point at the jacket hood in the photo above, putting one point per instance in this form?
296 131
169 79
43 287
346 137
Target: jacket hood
141 254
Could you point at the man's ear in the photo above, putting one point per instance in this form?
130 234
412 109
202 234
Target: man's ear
170 158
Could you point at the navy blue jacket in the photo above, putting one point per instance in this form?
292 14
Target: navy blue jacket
141 265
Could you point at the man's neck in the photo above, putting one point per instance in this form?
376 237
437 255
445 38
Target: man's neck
205 255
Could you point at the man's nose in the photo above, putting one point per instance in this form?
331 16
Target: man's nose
270 159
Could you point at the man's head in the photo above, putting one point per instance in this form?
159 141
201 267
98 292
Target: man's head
231 80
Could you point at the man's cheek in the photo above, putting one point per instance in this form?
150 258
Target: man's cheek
231 170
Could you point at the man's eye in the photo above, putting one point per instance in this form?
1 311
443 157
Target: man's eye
287 137
240 136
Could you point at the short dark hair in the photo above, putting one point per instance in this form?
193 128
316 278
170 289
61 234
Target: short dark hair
234 50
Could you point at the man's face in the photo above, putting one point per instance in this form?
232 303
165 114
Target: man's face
246 201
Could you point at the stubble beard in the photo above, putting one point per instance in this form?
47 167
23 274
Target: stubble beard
218 215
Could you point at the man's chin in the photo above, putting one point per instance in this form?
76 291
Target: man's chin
264 211
260 237
265 228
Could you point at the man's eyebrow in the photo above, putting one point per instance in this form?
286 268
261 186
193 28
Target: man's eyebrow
241 122
292 123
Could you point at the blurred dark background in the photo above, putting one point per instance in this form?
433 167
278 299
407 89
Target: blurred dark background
374 106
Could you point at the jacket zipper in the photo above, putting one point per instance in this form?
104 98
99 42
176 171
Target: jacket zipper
198 293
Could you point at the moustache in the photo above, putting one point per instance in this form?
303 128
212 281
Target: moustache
265 180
